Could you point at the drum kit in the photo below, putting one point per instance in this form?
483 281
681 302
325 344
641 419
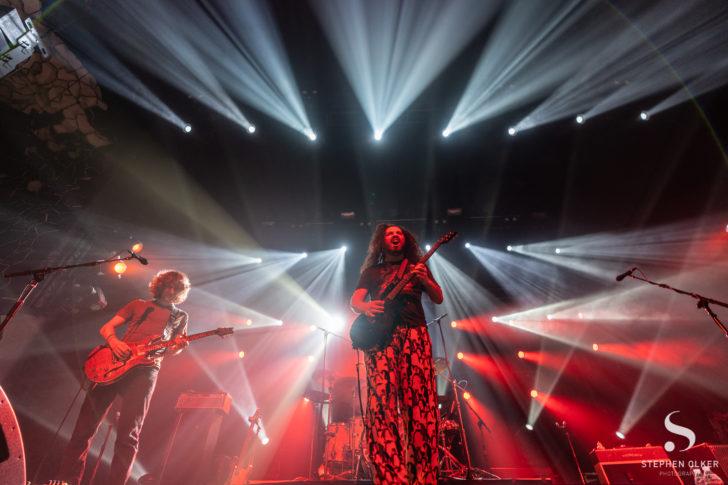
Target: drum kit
345 446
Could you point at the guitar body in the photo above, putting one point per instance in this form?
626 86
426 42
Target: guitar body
103 368
367 334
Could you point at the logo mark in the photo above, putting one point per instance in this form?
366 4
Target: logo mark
678 430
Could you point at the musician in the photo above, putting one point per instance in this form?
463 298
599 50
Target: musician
400 376
146 319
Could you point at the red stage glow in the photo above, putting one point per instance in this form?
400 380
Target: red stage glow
466 395
521 354
137 248
461 355
534 393
119 268
595 347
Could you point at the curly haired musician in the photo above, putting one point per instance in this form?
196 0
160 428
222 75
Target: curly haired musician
146 319
400 376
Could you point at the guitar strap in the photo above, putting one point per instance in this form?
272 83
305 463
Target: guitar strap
402 267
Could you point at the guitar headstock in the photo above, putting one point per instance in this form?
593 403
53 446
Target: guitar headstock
224 332
445 239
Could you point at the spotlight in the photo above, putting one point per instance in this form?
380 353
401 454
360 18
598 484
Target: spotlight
620 435
494 319
311 135
644 116
529 426
378 134
509 248
265 441
454 324
241 354
258 260
343 249
581 315
461 355
580 119
310 358
549 317
312 328
427 247
446 132
512 131
521 354
534 393
595 347
304 255
187 128
251 128
248 322
466 395
467 245
120 268
557 250
137 247
305 399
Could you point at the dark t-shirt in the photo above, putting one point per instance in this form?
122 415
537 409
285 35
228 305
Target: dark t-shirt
408 309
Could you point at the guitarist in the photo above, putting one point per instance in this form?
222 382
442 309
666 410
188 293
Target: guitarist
146 319
400 376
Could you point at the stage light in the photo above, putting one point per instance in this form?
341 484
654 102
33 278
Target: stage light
581 315
467 245
378 134
512 131
454 324
311 135
265 441
509 248
251 128
557 250
461 355
494 319
446 132
248 322
258 260
644 116
310 358
120 268
241 354
620 435
521 354
466 395
534 393
304 255
305 399
549 317
137 247
580 119
187 128
529 426
595 347
313 328
343 249
427 247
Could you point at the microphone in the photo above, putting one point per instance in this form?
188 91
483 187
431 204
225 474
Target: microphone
141 259
625 274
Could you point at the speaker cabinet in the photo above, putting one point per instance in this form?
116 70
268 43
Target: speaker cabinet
12 455
714 456
630 466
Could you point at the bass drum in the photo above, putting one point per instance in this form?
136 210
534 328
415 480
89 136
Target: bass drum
338 443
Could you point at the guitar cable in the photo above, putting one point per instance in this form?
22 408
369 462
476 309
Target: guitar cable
55 436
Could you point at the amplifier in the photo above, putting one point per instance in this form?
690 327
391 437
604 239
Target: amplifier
647 464
197 400
714 456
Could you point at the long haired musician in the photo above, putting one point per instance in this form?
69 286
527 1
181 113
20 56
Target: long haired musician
400 375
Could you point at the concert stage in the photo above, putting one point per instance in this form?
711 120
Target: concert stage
448 481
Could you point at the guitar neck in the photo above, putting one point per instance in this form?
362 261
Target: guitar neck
170 343
409 275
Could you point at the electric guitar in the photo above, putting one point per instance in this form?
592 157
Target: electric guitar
103 368
365 332
244 466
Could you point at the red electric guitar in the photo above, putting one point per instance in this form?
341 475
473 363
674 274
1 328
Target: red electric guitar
103 368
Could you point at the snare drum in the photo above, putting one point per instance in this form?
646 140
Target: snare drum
338 442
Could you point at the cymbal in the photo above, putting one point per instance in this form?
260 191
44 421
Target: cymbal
319 374
316 396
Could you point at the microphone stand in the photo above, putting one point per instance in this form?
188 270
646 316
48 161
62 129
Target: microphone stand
703 302
562 426
454 386
39 275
